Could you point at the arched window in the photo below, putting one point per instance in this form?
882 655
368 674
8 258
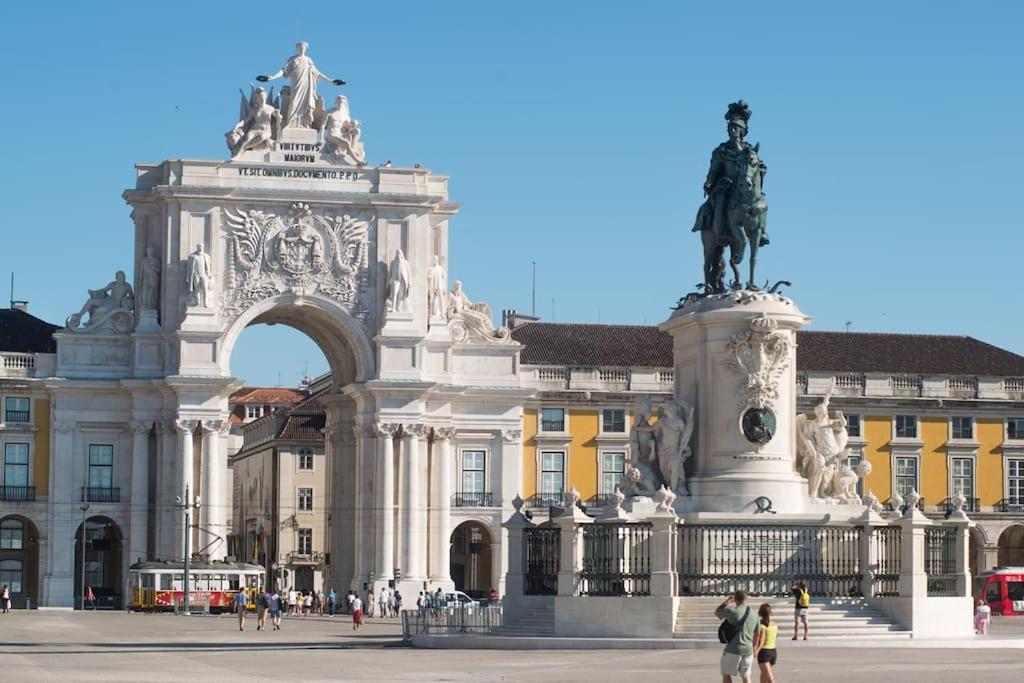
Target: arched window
12 534
10 574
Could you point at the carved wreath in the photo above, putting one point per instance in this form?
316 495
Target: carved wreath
760 355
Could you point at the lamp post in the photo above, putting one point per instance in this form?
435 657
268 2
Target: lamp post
84 507
187 504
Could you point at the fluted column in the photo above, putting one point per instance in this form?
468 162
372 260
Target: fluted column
414 528
440 562
166 489
186 432
64 516
386 499
139 520
214 505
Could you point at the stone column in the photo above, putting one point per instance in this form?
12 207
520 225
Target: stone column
913 580
214 507
166 489
59 580
960 522
511 484
139 520
440 562
571 560
386 500
515 578
414 524
663 561
186 432
868 554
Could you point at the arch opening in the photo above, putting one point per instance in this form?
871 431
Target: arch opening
19 560
1011 546
471 559
102 555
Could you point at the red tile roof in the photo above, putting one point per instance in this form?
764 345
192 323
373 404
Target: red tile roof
267 395
589 345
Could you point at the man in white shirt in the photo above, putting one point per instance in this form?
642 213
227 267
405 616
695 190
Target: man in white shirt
357 612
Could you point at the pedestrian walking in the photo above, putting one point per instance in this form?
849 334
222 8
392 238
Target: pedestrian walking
307 604
5 599
369 603
349 598
319 602
293 596
383 601
982 615
737 632
262 605
398 602
803 601
357 613
764 644
421 604
275 610
332 602
90 597
240 604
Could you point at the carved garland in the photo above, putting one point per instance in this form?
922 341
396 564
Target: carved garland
759 355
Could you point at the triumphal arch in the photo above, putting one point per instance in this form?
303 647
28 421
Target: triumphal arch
294 228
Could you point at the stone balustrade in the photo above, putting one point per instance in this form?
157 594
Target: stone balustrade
610 379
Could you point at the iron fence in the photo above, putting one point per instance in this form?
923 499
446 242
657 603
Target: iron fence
23 493
940 560
768 559
472 499
887 548
473 618
101 494
542 548
616 559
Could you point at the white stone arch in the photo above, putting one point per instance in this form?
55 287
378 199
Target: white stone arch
341 337
496 544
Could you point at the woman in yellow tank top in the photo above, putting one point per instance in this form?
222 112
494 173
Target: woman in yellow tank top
764 644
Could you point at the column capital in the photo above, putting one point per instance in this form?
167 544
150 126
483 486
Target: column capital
414 430
141 426
64 426
385 429
443 433
511 435
185 426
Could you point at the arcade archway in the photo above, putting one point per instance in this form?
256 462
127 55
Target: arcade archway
103 554
472 559
19 560
1011 546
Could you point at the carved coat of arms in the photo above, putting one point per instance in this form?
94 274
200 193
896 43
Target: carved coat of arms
759 355
303 252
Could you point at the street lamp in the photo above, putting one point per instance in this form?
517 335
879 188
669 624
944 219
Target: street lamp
84 507
188 503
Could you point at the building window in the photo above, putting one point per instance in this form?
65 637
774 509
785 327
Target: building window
305 459
473 472
12 535
305 500
963 428
252 412
613 467
552 420
1015 481
101 466
1015 428
906 427
613 421
852 462
10 574
15 464
552 476
963 478
906 476
305 541
853 425
16 409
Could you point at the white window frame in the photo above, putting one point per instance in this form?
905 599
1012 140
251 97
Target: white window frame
601 471
974 429
917 428
462 469
3 460
88 464
1006 478
858 453
298 459
28 400
1006 429
953 457
540 420
540 469
860 424
250 409
896 457
298 499
625 421
298 541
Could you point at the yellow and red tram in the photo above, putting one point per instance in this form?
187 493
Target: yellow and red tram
160 585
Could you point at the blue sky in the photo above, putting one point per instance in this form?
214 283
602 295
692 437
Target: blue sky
576 135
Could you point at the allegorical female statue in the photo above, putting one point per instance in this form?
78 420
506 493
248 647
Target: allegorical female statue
303 76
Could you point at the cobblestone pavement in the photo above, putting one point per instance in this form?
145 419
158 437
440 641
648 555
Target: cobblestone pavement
65 646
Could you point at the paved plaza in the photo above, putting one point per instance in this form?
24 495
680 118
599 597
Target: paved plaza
65 646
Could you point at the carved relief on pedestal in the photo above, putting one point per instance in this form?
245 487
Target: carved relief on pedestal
303 252
759 355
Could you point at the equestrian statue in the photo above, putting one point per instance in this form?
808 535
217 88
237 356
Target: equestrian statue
735 212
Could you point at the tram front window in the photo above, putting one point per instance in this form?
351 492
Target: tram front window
233 582
252 581
147 580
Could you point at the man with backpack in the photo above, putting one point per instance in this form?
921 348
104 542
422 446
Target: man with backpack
737 631
803 601
262 605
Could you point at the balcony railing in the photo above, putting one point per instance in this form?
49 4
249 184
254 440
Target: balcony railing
473 500
305 558
18 493
970 504
1010 505
101 494
601 500
16 416
542 500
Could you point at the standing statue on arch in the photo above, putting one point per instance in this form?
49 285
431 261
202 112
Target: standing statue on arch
735 212
302 107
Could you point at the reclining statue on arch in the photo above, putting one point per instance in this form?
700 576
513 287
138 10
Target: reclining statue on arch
114 303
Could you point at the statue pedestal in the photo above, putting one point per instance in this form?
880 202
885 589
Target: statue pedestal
735 362
147 322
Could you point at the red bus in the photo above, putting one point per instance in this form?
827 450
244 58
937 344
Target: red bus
1002 589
